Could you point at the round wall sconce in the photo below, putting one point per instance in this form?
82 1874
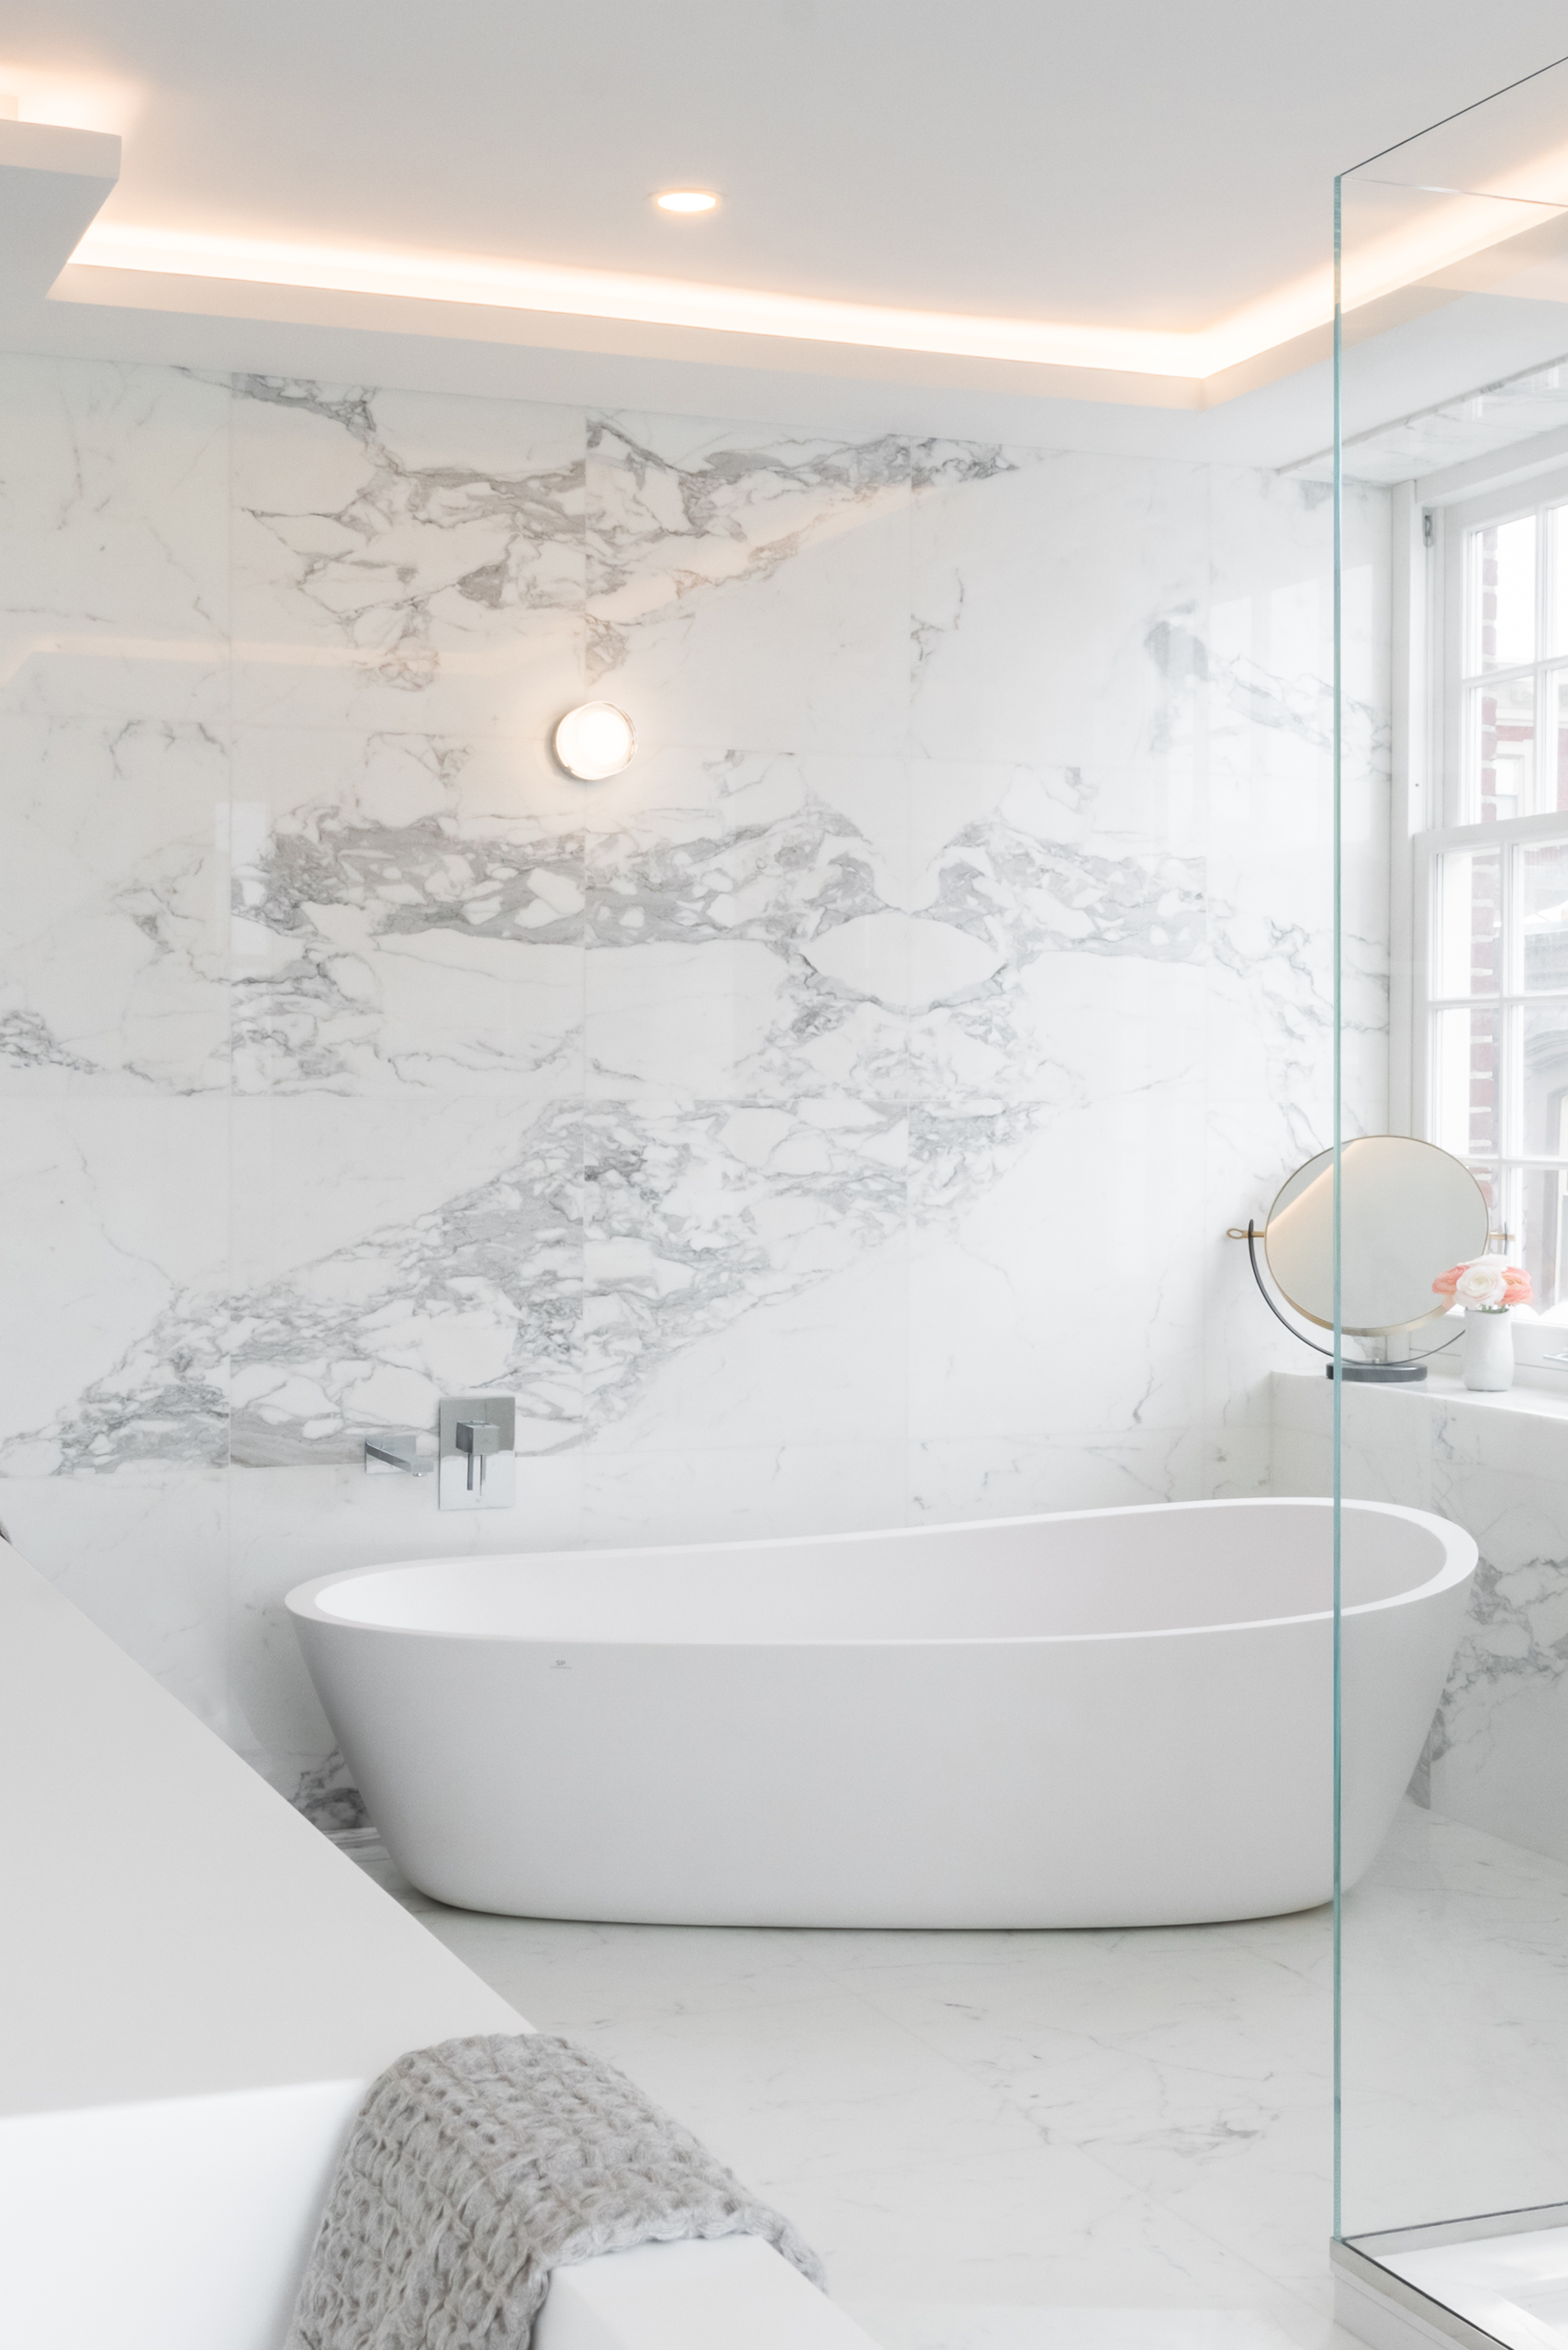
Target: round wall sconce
594 740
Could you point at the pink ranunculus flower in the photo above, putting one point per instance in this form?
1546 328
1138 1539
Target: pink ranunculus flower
1486 1282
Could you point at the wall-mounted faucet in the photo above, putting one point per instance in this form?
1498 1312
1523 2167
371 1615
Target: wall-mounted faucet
475 1454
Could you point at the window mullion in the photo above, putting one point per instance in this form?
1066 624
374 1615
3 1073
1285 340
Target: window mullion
1510 977
1540 797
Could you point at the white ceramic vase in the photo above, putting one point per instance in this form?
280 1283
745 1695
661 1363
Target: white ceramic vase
1488 1348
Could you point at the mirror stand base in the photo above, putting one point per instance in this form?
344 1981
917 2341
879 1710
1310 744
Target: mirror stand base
1404 1374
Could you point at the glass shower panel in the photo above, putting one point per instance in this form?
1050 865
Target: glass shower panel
1450 383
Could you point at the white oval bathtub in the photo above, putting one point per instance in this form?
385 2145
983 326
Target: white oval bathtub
1109 1717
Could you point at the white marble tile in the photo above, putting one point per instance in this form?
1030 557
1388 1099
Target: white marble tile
955 2326
998 1475
1270 1062
742 1493
113 1254
407 561
144 1552
408 913
744 928
1269 723
114 542
1455 1946
664 1018
1021 1322
822 1361
749 586
385 1259
1497 1473
314 1173
1056 600
1269 657
1222 2115
1169 2182
697 1216
113 915
1084 931
1053 2228
757 2085
1238 1453
583 1976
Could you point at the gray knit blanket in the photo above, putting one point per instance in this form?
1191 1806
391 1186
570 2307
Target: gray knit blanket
478 2166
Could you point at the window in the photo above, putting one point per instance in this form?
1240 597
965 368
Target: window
1495 875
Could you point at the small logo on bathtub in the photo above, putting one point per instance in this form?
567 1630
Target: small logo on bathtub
561 1665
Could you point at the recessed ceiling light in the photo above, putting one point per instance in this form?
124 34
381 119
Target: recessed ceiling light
686 199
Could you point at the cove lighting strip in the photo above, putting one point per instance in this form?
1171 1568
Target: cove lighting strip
675 302
1446 233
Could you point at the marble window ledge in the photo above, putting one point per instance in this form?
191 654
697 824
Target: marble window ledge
1540 1395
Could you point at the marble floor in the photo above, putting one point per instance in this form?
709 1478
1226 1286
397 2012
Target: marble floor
1074 2141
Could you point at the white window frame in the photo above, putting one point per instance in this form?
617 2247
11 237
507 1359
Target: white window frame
1432 819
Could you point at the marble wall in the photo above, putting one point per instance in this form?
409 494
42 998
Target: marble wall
831 1122
1493 1464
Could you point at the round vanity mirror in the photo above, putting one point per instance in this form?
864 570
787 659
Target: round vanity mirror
1410 1211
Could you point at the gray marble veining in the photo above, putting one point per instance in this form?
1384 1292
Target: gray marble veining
377 565
322 895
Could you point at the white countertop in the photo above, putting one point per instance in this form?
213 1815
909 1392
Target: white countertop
174 1927
1544 1393
1534 1394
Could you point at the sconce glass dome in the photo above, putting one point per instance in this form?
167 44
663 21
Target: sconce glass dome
594 740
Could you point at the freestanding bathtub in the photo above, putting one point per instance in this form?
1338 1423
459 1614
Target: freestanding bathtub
1107 1718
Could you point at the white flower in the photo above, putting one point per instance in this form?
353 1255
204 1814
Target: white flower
1484 1284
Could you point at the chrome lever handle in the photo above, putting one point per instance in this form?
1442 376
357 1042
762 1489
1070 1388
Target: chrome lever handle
479 1451
479 1439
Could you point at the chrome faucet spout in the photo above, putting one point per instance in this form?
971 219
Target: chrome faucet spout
397 1449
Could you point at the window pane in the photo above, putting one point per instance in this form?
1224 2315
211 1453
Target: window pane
1543 909
1545 1252
1502 735
1464 1089
1555 795
1545 1088
1557 542
1489 1180
1502 594
1469 897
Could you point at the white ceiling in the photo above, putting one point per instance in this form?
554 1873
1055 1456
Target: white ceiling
1109 162
1111 165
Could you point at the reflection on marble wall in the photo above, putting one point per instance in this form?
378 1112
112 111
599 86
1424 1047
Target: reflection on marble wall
832 1121
1494 1465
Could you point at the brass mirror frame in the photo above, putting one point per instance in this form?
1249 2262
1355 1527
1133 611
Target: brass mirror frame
1314 1168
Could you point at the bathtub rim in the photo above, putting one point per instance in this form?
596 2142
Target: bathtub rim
1454 1567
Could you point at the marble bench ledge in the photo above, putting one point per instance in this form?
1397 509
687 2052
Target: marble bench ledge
1408 1444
